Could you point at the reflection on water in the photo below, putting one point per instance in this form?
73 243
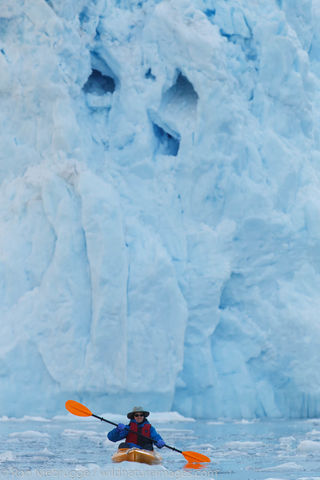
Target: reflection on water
195 466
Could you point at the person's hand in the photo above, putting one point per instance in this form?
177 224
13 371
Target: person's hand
121 427
160 443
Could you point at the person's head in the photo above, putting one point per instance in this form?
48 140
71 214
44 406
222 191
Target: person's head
138 414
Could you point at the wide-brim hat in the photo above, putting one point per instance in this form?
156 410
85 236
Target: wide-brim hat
137 410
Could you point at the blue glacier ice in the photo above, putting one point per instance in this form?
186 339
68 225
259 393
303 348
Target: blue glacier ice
160 207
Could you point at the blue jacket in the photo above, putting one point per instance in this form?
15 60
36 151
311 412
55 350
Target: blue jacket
115 435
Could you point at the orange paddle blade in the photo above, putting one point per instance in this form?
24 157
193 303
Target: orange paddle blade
77 408
192 457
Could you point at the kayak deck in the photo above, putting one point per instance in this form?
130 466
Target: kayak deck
136 455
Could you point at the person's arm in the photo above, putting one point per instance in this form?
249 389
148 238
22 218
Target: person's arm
118 433
158 440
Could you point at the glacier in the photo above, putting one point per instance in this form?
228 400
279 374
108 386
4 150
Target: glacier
159 206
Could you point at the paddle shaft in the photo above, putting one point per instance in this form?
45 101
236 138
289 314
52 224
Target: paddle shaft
104 420
77 408
115 424
139 434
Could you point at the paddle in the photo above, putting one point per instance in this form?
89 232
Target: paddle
80 410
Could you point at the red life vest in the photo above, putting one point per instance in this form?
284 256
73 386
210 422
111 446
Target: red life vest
132 436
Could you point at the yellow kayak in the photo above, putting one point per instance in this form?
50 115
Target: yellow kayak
136 455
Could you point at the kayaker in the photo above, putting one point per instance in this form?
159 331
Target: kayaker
138 425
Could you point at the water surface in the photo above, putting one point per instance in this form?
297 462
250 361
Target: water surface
68 447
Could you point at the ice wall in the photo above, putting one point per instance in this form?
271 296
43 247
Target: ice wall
159 206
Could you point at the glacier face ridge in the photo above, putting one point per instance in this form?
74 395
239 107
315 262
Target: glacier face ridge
160 206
